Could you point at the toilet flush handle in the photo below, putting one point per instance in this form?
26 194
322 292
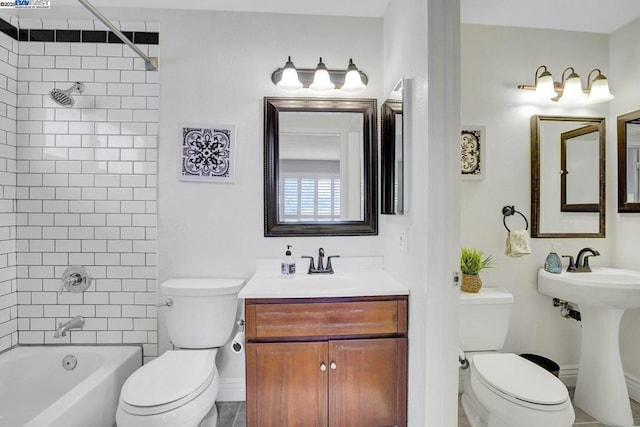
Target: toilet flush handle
167 303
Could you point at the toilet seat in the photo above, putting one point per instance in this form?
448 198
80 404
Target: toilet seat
168 382
519 380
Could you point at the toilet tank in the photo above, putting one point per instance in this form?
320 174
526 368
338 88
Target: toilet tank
203 311
484 319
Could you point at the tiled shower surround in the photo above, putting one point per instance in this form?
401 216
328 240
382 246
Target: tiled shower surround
85 191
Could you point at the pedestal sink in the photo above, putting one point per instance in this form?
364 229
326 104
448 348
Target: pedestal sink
602 296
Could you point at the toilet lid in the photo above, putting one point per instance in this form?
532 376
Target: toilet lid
519 378
174 376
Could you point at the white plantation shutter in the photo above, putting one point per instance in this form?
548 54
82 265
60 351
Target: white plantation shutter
310 198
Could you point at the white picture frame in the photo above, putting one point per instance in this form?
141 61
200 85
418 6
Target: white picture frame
207 152
473 160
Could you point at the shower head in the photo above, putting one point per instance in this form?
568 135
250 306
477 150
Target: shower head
63 97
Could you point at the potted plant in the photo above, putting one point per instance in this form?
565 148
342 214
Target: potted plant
471 263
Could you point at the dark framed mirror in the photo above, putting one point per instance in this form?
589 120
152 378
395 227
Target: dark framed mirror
629 162
320 162
392 153
567 177
578 160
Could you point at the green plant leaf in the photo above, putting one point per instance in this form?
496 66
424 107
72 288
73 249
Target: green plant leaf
472 261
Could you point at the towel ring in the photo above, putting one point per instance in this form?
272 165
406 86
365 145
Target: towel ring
510 210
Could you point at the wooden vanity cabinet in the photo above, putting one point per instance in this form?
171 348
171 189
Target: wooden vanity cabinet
326 362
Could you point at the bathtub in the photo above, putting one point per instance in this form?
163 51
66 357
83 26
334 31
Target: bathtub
37 391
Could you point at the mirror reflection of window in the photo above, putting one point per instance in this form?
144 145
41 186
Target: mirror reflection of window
321 167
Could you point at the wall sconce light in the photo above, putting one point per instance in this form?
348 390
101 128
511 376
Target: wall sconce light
570 90
320 79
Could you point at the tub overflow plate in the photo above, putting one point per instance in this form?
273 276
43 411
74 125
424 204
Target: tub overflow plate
69 362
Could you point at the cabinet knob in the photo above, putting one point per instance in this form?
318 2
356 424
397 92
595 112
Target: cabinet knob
323 367
333 365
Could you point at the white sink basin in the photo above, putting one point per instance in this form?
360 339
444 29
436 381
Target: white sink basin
602 287
341 284
602 296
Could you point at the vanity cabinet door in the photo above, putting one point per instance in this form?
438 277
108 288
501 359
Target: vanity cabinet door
367 382
287 384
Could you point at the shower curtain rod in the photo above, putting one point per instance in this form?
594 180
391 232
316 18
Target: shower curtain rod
151 63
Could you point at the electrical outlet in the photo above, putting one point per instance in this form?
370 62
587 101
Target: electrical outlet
403 242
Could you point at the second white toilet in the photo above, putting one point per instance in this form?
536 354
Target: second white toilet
180 387
504 389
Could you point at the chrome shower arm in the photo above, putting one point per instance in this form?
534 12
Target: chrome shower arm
151 63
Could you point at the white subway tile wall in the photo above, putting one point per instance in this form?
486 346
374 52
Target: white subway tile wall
8 116
86 192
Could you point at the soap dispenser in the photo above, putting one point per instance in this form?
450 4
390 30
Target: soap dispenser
553 264
288 265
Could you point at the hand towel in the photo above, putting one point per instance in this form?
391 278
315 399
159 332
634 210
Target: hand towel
517 244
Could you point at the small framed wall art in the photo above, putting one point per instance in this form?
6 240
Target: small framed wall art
472 148
207 153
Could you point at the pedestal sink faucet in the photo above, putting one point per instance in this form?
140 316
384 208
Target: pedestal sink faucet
582 261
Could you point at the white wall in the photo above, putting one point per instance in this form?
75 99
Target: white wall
421 44
494 61
8 283
625 63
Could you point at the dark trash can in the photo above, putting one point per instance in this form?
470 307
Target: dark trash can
547 364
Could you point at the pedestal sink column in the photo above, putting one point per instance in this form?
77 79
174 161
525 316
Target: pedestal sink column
601 389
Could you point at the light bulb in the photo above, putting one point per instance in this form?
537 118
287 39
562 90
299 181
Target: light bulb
321 79
572 89
353 81
600 90
289 80
545 86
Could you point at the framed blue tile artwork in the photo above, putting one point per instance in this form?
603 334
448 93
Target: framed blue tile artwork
207 153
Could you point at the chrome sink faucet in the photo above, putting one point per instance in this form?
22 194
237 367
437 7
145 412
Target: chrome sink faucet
321 268
75 323
581 264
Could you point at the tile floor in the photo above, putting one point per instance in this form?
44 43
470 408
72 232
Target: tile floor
582 419
233 414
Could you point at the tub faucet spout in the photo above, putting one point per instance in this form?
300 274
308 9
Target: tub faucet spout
75 323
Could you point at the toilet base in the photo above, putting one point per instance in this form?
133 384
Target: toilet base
211 419
473 411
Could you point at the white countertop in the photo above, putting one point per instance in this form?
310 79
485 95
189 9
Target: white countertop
353 277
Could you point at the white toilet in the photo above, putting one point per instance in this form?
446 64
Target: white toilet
504 389
180 387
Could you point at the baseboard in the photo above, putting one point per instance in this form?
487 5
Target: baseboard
569 375
232 390
633 386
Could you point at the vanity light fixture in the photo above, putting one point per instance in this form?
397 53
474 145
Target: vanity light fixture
570 89
320 79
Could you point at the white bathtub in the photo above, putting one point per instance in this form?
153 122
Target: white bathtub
36 391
